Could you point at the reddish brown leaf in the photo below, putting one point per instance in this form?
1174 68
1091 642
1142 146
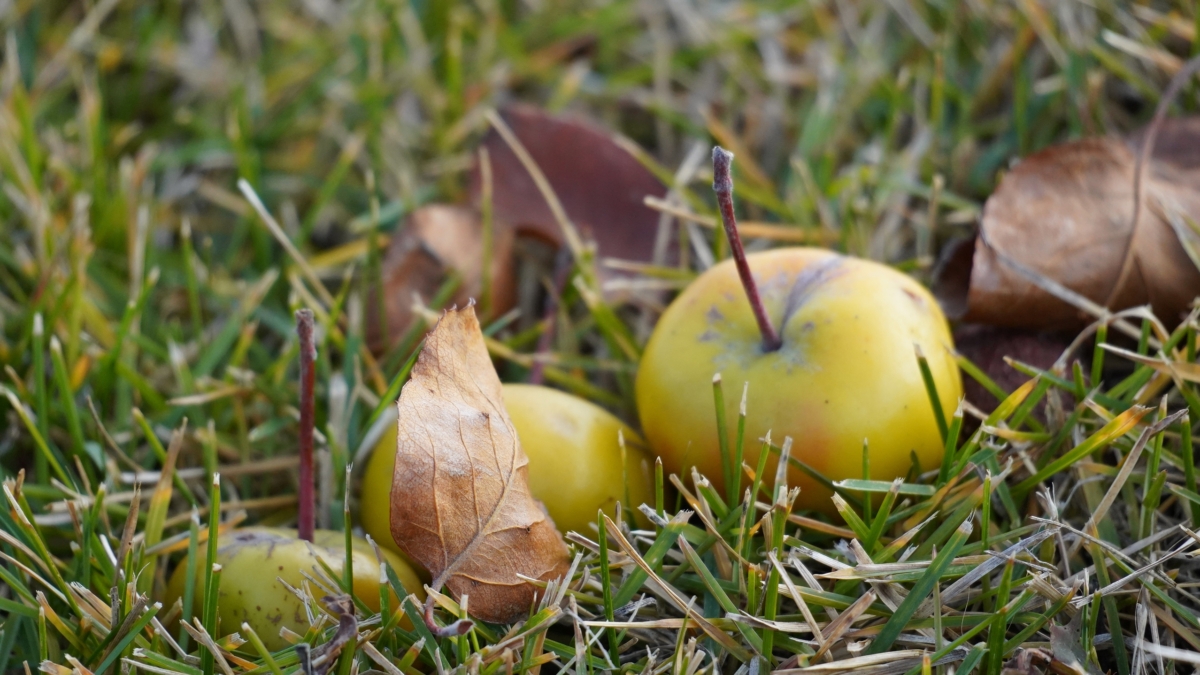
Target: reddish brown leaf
986 347
460 502
1066 214
436 241
600 185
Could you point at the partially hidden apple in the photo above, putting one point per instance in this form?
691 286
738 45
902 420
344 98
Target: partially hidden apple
257 561
253 562
840 369
575 461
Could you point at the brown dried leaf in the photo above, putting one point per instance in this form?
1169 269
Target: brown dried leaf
1066 214
460 502
436 241
324 656
601 186
987 346
1069 654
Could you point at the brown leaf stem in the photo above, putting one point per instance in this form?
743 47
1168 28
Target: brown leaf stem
1180 78
455 629
308 357
723 187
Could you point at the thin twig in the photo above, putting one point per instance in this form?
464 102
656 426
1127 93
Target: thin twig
308 357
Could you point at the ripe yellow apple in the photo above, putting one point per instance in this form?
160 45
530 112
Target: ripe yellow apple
253 560
846 370
575 463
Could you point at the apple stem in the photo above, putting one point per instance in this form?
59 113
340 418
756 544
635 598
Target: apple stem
308 357
723 187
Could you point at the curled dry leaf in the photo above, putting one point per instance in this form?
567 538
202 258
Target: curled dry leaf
435 242
600 185
326 655
460 502
1066 214
1067 651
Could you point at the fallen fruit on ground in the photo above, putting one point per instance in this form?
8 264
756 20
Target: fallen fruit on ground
460 499
846 370
254 559
842 369
575 461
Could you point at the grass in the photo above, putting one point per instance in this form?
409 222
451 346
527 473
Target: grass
141 287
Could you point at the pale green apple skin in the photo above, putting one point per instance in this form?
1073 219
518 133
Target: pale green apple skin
847 370
254 559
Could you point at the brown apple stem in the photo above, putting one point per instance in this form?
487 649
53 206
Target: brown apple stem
308 357
723 187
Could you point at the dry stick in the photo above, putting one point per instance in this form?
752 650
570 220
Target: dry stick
1139 168
549 317
723 187
308 357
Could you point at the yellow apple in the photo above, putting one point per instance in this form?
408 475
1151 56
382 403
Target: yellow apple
575 465
254 559
846 370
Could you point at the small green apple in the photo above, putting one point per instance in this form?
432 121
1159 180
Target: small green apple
254 559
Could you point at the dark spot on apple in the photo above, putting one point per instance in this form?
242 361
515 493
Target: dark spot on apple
714 315
916 300
808 281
